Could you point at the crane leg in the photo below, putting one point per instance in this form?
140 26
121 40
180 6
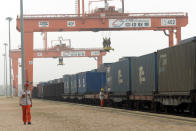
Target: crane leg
99 61
83 8
78 7
15 74
178 34
28 46
171 38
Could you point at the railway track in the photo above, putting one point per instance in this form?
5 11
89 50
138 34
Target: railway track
180 119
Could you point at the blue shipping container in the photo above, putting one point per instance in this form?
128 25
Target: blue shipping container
74 84
67 84
91 82
144 75
119 76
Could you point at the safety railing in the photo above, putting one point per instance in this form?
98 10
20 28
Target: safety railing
159 14
102 15
88 49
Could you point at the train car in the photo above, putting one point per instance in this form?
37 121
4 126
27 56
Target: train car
90 84
144 80
104 67
40 89
59 87
67 86
119 80
74 86
35 92
177 76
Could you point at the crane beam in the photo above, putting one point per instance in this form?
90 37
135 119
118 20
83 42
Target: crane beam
102 22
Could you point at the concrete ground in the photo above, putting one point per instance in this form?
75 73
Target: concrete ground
59 116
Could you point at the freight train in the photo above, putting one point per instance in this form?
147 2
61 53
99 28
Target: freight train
161 81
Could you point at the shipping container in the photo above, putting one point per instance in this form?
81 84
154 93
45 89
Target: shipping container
74 84
103 67
177 69
67 84
35 92
119 77
94 70
187 40
144 75
59 90
40 87
91 82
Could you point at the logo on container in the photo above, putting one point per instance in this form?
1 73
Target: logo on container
120 80
141 75
162 62
84 82
79 83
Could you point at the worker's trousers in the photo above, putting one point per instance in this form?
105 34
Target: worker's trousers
102 102
26 113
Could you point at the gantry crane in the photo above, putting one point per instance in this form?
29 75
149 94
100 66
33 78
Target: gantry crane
60 51
101 19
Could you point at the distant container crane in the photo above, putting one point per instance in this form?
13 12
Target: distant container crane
59 51
101 19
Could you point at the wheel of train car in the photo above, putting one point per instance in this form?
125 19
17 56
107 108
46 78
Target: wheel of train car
156 107
131 105
169 109
125 104
193 109
179 109
139 105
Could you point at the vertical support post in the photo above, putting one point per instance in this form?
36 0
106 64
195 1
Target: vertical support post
78 7
4 75
99 61
123 6
22 43
10 64
15 74
45 41
106 5
171 38
82 7
6 84
178 34
28 45
89 4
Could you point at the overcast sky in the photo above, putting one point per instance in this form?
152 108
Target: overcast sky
125 43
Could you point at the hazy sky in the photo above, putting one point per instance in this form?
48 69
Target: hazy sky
125 43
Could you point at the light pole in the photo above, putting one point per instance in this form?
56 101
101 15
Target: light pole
5 60
22 43
10 64
4 77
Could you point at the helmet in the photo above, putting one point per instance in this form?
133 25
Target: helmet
102 89
26 84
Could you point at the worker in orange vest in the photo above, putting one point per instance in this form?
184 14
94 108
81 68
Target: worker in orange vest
25 102
101 97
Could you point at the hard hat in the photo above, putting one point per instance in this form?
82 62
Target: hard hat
26 84
102 89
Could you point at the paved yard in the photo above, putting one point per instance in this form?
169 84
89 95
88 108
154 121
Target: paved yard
58 116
